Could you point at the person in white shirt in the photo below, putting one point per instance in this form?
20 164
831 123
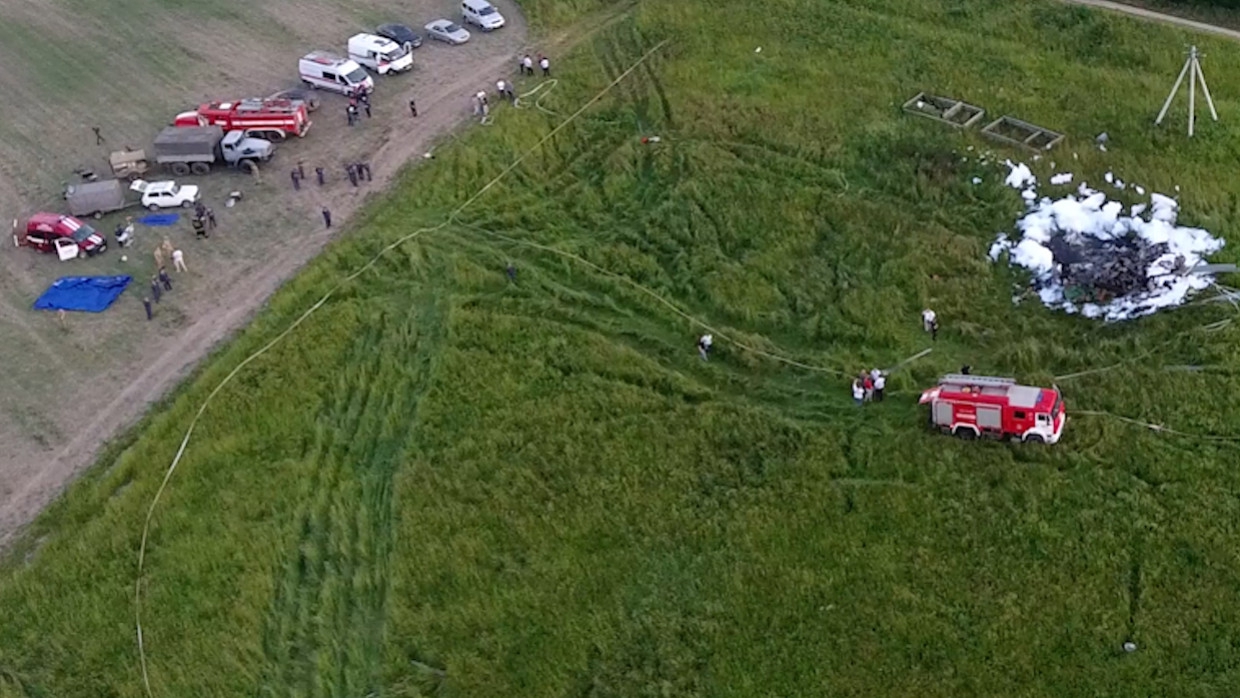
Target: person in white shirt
704 344
858 392
880 384
527 65
930 323
545 65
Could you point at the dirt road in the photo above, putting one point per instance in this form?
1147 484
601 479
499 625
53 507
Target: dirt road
66 391
1158 17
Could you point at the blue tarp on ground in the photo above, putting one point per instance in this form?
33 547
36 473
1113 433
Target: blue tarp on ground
91 294
160 219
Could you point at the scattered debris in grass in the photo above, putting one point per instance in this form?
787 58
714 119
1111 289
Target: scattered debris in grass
1086 256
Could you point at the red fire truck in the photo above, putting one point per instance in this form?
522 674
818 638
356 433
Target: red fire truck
973 407
270 119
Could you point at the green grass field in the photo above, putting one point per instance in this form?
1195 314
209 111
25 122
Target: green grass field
443 484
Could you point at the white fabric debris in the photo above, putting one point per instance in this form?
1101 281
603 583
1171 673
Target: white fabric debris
1062 178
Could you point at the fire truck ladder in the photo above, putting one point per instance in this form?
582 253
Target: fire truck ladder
981 381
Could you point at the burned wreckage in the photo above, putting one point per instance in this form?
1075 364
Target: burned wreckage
1091 270
1101 258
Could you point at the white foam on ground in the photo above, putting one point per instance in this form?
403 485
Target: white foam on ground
1019 175
1089 213
1062 178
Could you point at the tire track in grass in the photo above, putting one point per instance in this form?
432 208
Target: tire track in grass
324 631
267 687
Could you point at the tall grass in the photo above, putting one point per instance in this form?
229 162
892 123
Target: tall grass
444 483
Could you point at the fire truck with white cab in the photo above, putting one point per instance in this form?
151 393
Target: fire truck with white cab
972 407
270 119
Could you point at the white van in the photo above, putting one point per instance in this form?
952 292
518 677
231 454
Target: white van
481 14
324 70
379 54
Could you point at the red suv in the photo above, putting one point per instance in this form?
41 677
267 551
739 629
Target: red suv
48 231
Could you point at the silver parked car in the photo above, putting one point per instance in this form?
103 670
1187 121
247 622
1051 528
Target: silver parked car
446 30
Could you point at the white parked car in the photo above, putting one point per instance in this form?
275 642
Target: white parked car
446 30
381 55
481 14
166 194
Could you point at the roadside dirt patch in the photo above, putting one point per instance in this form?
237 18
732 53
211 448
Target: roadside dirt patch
67 390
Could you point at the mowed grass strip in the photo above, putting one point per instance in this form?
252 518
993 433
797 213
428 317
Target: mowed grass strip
444 483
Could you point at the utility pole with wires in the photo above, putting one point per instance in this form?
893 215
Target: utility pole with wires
1192 68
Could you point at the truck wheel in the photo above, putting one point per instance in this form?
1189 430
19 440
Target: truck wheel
964 433
179 169
247 166
200 168
274 136
1035 439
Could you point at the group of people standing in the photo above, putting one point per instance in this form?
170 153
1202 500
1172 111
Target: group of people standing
527 65
203 221
869 387
481 101
359 101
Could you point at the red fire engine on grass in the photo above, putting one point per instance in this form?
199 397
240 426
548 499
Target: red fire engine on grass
270 119
973 407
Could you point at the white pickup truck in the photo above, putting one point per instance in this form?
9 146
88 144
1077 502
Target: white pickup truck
165 194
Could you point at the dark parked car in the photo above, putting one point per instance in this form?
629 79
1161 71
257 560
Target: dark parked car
401 34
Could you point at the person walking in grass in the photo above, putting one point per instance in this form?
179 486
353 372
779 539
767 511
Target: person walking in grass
858 392
165 279
705 342
867 386
930 323
527 65
178 261
327 218
545 64
880 384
